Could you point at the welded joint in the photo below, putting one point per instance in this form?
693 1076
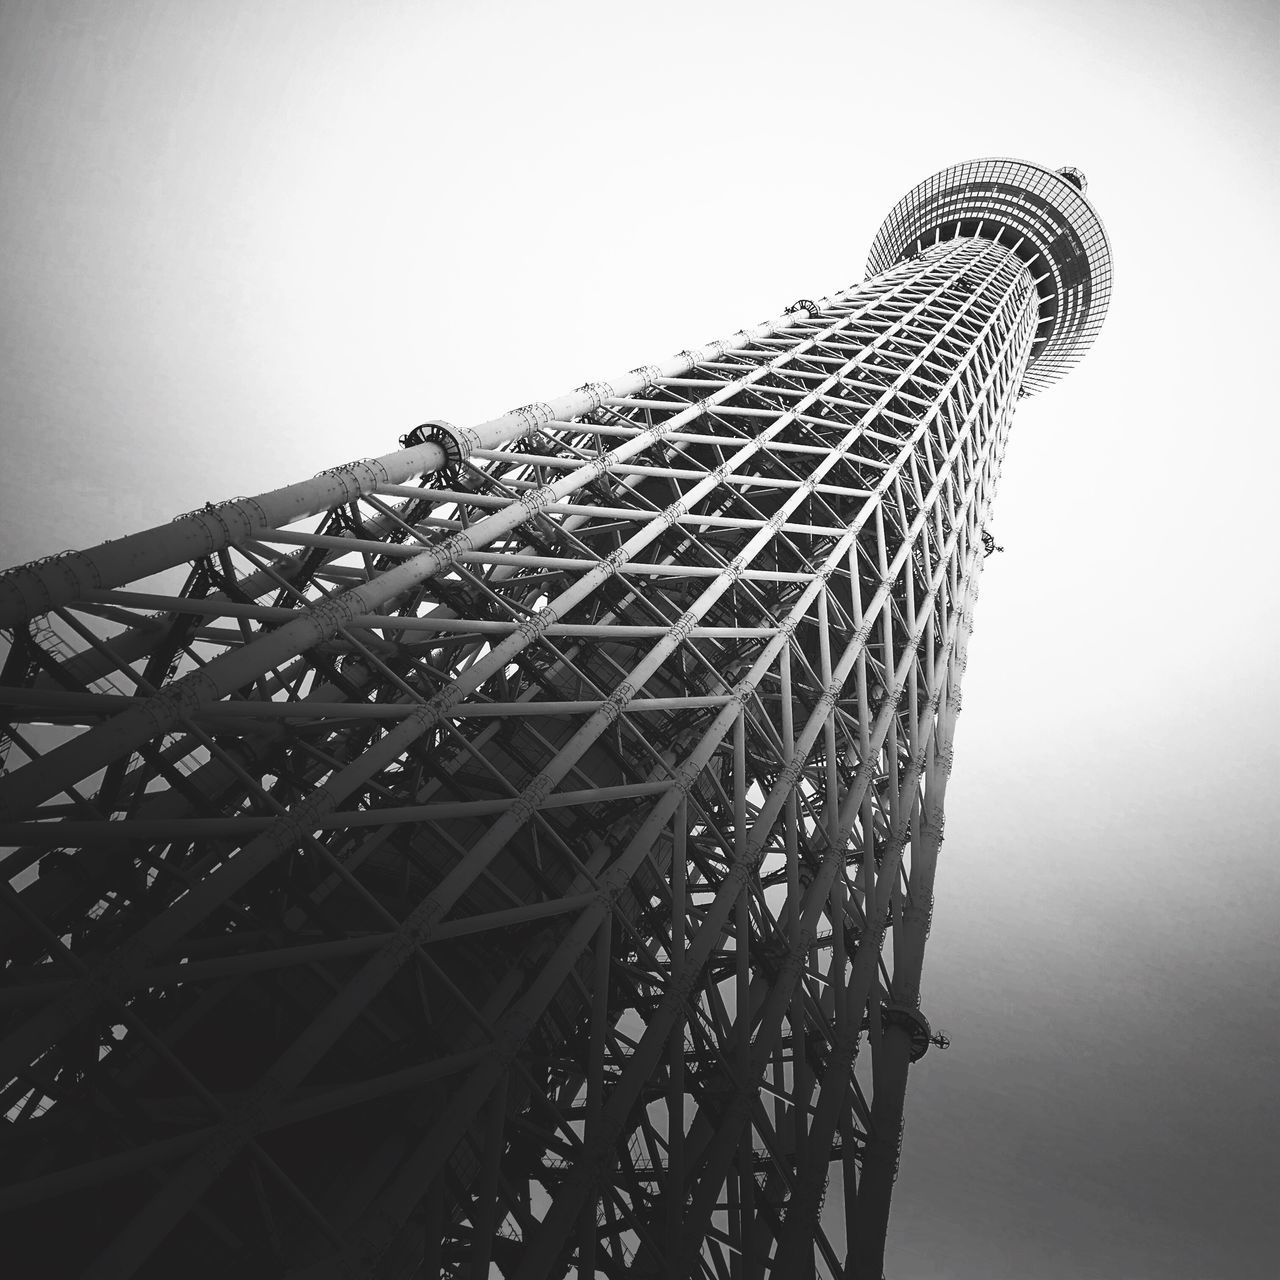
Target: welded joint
792 772
254 520
350 475
685 777
673 513
533 625
613 562
183 698
613 707
206 509
74 566
536 501
831 694
531 798
446 553
683 628
411 935
331 614
649 372
469 440
438 706
533 416
296 825
597 393
918 916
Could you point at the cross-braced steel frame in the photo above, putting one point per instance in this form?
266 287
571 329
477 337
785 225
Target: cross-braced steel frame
517 851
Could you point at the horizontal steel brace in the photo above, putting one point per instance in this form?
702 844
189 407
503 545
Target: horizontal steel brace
158 1154
615 430
288 957
394 622
74 831
63 702
404 551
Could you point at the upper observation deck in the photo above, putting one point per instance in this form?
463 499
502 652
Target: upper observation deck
1039 213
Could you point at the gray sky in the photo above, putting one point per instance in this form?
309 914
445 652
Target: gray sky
243 242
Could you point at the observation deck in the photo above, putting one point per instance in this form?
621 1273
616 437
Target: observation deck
1044 217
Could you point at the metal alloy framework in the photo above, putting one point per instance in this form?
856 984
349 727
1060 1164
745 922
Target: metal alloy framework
514 855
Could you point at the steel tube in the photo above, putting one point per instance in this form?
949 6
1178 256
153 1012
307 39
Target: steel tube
432 773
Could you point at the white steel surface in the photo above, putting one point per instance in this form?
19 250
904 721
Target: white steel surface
595 779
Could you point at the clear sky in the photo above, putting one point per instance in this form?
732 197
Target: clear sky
243 241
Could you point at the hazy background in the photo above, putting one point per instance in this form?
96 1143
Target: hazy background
245 241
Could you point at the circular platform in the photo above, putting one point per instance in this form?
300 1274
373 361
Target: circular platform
1040 213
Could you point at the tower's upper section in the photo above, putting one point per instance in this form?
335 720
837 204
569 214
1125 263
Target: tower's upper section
1044 217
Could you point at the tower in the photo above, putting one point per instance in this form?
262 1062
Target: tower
517 851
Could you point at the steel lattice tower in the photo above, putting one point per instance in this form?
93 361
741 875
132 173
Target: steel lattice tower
392 856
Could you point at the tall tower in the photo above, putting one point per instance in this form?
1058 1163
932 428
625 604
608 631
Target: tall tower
514 855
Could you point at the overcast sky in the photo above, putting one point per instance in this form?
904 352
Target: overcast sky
243 241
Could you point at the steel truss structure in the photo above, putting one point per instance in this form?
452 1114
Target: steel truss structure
514 855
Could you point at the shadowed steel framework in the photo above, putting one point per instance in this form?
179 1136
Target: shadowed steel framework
514 855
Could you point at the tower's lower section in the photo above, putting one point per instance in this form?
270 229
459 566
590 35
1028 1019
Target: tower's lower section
528 867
